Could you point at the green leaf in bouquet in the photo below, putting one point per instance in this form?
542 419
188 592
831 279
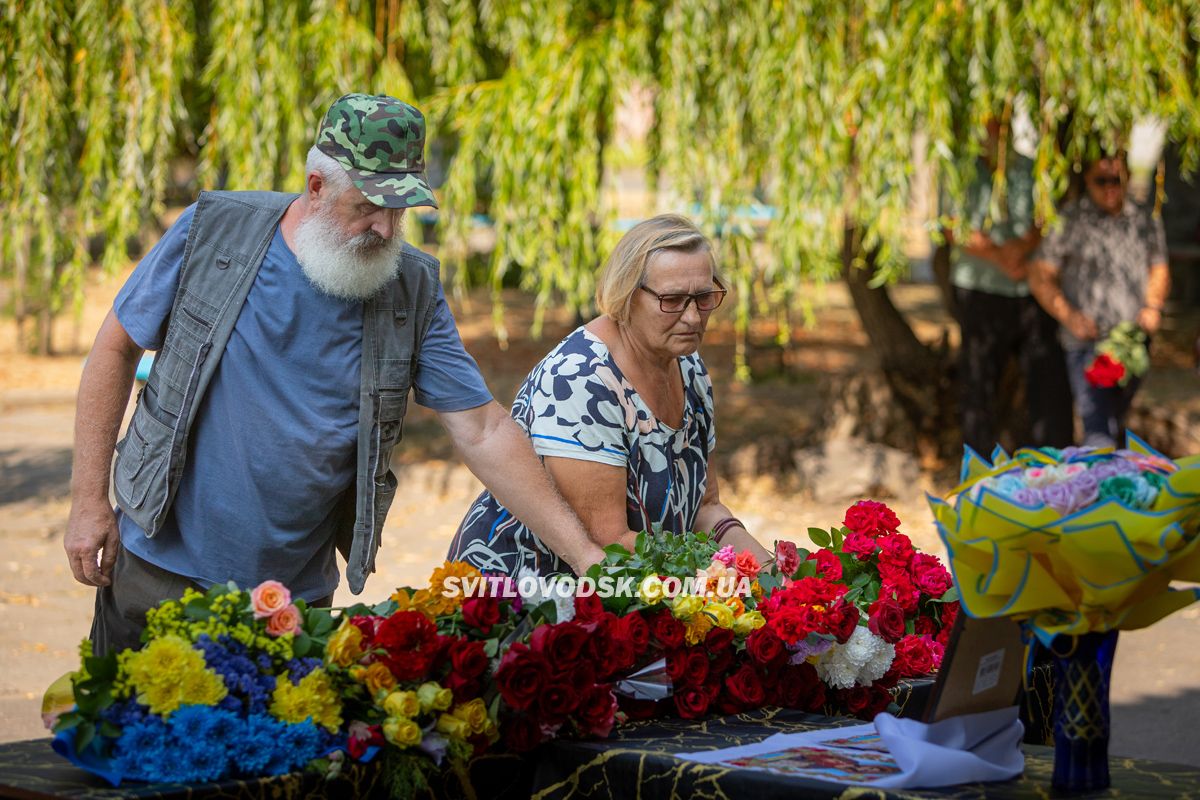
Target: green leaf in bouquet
838 535
67 721
84 734
951 596
642 543
820 537
383 609
108 730
321 620
807 569
491 648
101 668
197 609
301 644
768 582
861 580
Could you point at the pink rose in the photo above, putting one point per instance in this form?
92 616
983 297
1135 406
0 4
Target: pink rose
285 620
930 576
269 598
786 557
725 555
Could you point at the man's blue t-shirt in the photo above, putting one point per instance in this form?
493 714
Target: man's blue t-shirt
275 438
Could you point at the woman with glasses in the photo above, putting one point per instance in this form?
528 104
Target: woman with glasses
621 411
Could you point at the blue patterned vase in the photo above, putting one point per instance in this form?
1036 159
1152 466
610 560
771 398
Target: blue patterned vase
1082 671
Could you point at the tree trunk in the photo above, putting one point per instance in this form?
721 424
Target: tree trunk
920 377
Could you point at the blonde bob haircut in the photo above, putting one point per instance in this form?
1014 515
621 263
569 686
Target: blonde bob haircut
625 270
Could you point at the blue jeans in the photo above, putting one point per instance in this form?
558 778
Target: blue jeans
1101 410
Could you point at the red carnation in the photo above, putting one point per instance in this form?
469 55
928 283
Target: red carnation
915 656
896 551
902 590
787 559
411 643
859 545
829 566
793 624
925 626
930 576
1104 372
870 518
948 616
885 619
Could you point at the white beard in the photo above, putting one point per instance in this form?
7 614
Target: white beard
347 267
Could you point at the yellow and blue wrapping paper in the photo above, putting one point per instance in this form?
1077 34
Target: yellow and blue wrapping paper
1104 567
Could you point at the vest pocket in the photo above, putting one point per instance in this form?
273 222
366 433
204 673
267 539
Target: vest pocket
141 458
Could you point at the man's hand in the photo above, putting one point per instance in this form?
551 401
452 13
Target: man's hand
1149 319
91 531
1081 326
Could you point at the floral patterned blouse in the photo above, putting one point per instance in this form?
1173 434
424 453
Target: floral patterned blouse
576 403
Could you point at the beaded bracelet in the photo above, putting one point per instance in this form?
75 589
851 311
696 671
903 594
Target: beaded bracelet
725 526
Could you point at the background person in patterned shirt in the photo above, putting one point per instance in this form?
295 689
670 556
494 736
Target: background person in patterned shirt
1106 264
621 411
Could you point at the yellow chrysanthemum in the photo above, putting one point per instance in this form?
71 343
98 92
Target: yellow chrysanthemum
345 645
168 673
313 698
401 732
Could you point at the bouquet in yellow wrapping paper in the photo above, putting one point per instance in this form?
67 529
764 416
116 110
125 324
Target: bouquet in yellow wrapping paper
1074 541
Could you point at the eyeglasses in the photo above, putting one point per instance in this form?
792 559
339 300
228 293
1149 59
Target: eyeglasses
1106 181
678 303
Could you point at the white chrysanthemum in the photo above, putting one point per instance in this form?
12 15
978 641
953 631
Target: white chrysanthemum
859 662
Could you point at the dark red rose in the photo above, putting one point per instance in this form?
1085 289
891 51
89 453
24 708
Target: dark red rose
588 608
856 700
597 711
719 663
521 733
718 639
561 644
746 685
676 665
464 689
692 702
557 700
829 566
930 576
766 648
885 619
924 626
467 659
881 698
871 519
667 630
631 630
411 643
522 674
696 670
582 676
841 620
896 551
637 709
481 613
948 616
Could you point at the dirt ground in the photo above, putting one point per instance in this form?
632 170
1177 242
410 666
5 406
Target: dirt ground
44 613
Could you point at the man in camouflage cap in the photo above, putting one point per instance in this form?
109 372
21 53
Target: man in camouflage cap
380 142
289 331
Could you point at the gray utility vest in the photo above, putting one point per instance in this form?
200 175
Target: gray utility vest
229 235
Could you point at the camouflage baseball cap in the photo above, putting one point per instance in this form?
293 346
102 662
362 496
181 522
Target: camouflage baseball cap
381 143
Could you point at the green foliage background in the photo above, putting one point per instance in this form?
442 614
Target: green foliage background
819 108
